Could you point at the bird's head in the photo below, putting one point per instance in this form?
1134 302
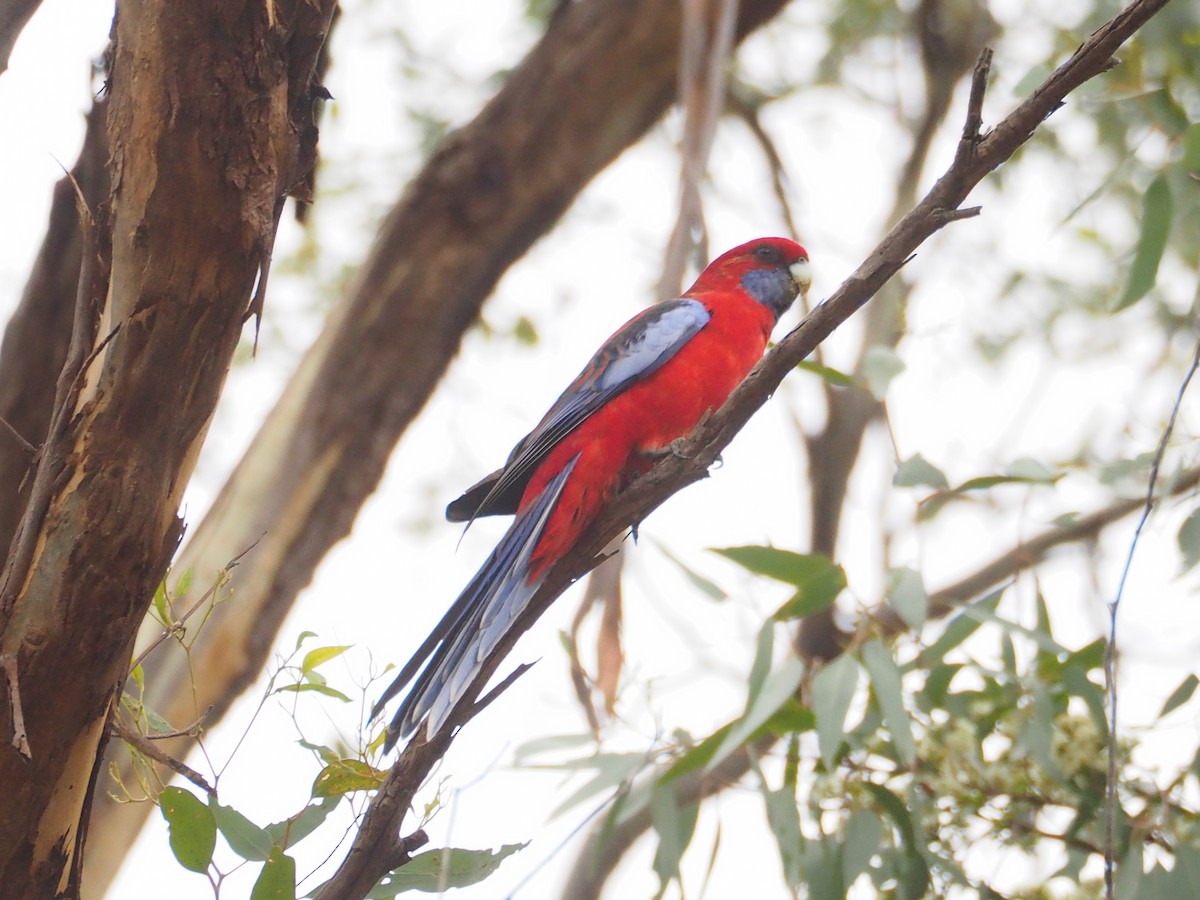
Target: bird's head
772 270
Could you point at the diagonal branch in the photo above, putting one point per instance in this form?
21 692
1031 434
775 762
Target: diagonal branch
977 155
603 73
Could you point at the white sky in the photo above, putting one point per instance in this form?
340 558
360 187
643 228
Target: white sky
382 588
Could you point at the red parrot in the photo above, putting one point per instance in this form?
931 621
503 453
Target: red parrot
648 385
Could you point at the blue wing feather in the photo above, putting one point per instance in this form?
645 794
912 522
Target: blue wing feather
635 352
483 613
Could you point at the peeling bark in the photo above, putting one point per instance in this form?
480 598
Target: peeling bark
209 126
37 335
602 75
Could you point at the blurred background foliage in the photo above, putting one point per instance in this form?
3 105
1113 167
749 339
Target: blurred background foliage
1025 381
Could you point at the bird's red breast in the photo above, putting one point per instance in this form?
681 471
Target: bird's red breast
611 443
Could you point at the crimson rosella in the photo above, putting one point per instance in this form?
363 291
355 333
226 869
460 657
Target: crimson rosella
648 385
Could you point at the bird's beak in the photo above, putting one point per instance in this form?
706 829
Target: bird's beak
801 274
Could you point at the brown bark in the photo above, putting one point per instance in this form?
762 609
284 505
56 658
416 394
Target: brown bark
603 74
36 337
14 15
209 124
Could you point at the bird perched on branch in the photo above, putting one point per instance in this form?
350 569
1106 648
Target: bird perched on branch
650 384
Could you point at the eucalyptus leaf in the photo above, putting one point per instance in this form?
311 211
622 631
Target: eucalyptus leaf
437 870
833 690
1180 695
277 880
192 829
917 471
244 838
880 365
1189 540
906 591
885 678
1152 241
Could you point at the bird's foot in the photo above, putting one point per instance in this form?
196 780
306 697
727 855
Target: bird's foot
675 448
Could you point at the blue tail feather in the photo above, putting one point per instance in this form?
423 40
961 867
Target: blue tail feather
474 625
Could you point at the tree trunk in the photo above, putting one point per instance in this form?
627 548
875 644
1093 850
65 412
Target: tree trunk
604 73
209 125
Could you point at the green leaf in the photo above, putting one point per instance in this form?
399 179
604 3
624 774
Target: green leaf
917 471
1037 734
675 828
791 718
864 831
157 723
193 830
138 674
896 809
1180 695
906 591
1187 870
764 648
817 580
244 838
525 331
437 870
782 565
612 771
833 690
1189 540
537 746
1130 871
305 687
321 655
879 366
1032 471
346 776
778 687
833 376
819 592
294 829
706 586
958 630
885 678
1156 228
699 755
304 636
1191 148
783 817
160 604
1044 642
277 880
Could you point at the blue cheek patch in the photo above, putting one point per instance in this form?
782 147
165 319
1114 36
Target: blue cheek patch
773 288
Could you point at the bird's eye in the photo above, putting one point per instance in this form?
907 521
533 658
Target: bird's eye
767 253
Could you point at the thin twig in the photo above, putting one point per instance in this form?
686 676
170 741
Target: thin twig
144 746
175 626
29 448
1110 655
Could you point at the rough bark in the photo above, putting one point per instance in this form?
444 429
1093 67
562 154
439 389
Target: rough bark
209 126
36 337
601 76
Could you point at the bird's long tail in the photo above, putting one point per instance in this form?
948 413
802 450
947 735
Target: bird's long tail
483 613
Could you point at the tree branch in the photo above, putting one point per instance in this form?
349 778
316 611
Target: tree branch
603 73
14 15
977 155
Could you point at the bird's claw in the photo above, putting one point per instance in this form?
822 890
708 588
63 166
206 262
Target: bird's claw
675 448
